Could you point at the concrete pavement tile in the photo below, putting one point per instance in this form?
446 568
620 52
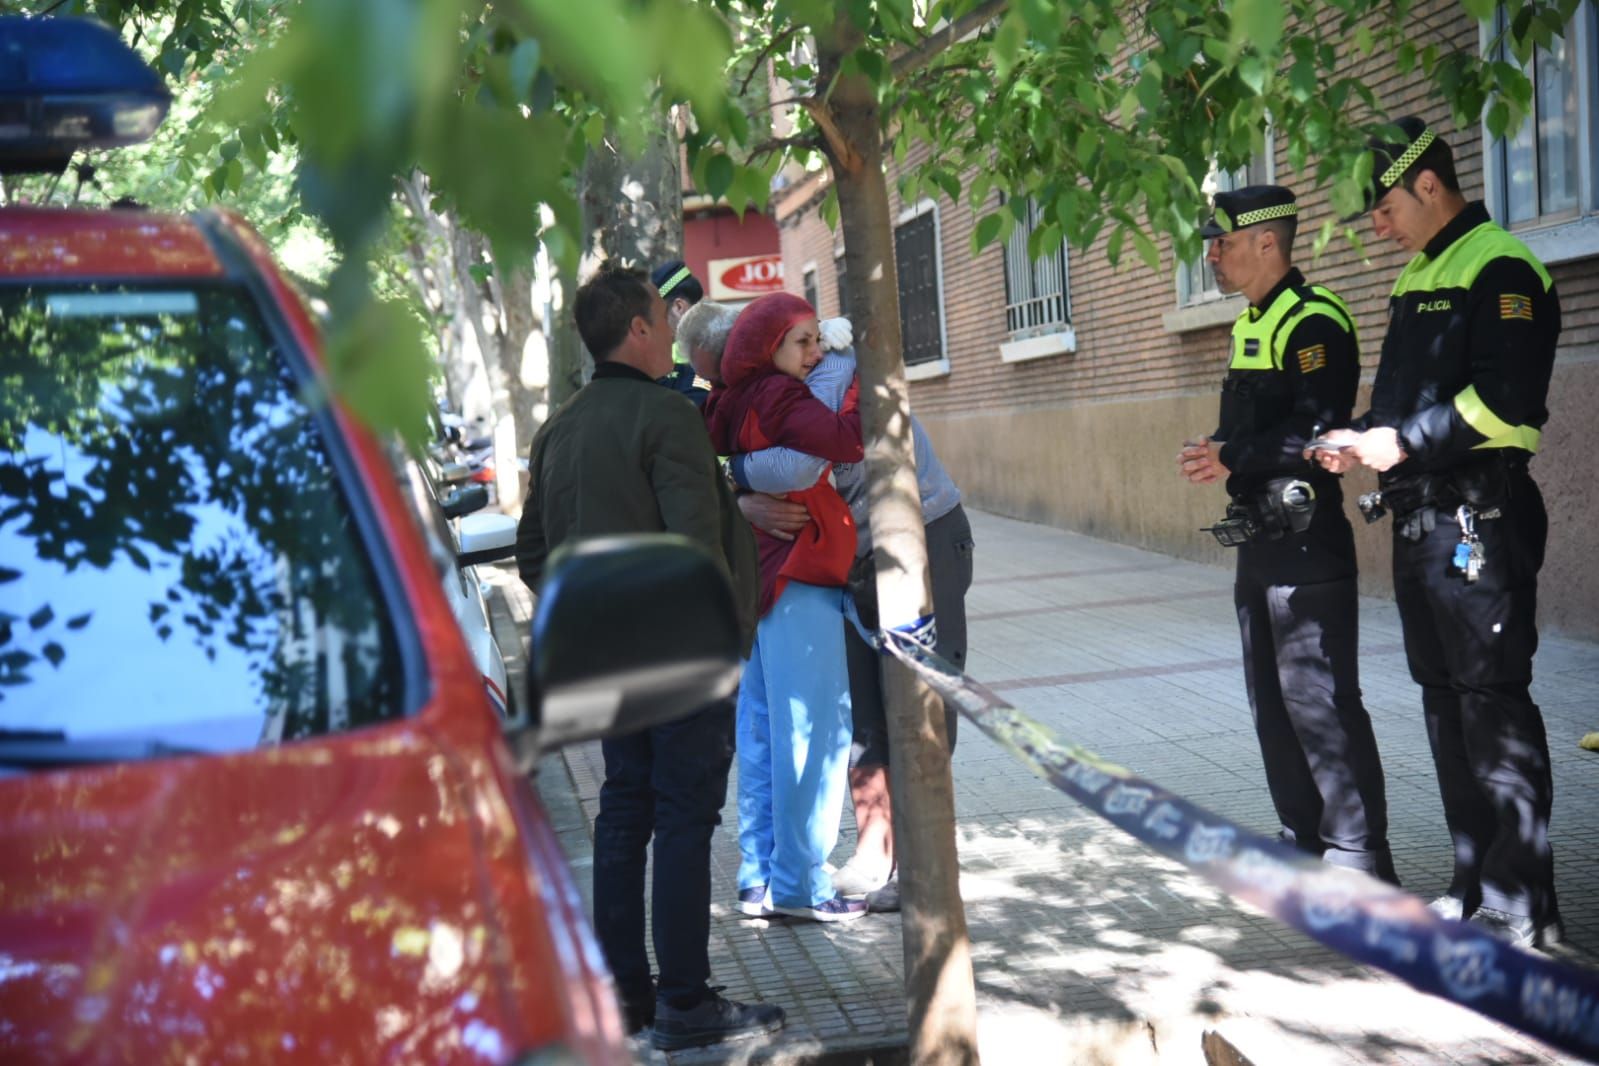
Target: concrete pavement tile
1076 930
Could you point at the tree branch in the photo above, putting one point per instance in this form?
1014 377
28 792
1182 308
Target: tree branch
843 153
766 53
775 104
937 42
779 144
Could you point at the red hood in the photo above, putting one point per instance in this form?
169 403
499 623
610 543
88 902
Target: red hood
293 904
757 332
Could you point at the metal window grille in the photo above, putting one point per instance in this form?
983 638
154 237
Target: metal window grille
920 311
1037 291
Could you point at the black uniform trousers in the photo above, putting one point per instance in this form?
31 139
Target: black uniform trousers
1470 648
668 782
1298 614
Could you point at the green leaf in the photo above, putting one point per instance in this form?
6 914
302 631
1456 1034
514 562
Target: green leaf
524 68
42 617
380 369
719 173
1146 248
1252 72
872 65
1007 44
1498 119
1257 24
1043 240
1150 92
54 652
987 231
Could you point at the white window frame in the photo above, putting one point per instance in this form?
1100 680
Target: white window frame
1565 239
809 269
1051 338
933 368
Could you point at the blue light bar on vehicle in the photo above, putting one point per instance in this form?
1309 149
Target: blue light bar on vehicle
67 84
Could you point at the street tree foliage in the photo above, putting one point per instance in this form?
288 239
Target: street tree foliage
1108 113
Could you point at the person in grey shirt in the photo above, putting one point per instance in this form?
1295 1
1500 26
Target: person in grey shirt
767 475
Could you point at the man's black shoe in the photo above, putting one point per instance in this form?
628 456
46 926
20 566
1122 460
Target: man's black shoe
638 1008
637 1017
1519 929
713 1020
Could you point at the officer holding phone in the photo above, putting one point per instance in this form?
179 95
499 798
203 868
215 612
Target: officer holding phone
1294 369
1457 412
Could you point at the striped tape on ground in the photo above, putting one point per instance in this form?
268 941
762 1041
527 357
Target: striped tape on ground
1366 919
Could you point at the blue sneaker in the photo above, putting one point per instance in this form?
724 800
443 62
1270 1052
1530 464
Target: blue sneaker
754 902
837 909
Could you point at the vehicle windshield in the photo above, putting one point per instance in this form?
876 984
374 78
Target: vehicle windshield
177 562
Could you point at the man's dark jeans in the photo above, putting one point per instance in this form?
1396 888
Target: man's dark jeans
669 782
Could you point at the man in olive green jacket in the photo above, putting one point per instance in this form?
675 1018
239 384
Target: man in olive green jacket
626 455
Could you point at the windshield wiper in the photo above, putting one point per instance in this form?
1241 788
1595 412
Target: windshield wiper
47 748
32 734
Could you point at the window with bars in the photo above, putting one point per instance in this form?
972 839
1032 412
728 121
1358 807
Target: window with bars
1037 291
1548 171
841 282
921 312
1196 282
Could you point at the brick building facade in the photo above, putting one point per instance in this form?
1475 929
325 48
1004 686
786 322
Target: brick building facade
1068 407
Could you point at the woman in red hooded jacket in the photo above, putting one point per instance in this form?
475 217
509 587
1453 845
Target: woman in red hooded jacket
793 710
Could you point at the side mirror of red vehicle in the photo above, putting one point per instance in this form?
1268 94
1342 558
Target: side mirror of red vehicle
629 632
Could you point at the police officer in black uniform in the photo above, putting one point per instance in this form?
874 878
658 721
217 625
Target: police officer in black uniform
1456 413
1294 369
681 290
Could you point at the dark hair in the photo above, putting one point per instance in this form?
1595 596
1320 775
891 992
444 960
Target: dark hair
1286 229
1439 159
607 304
688 288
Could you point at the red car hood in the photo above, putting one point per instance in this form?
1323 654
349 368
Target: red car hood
318 902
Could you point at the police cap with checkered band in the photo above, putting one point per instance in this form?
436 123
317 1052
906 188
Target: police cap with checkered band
1391 160
1249 206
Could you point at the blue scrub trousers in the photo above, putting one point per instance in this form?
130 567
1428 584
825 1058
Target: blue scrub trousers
793 746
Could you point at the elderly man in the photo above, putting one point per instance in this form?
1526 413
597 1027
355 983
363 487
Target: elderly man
702 337
627 456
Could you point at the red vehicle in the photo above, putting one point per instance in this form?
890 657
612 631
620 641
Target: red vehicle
255 805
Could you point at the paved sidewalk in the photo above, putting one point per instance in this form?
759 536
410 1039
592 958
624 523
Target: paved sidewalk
1088 947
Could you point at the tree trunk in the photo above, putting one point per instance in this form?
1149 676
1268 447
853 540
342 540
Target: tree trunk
521 322
939 991
515 290
633 212
633 204
569 365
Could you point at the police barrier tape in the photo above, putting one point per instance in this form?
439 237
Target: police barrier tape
1365 919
